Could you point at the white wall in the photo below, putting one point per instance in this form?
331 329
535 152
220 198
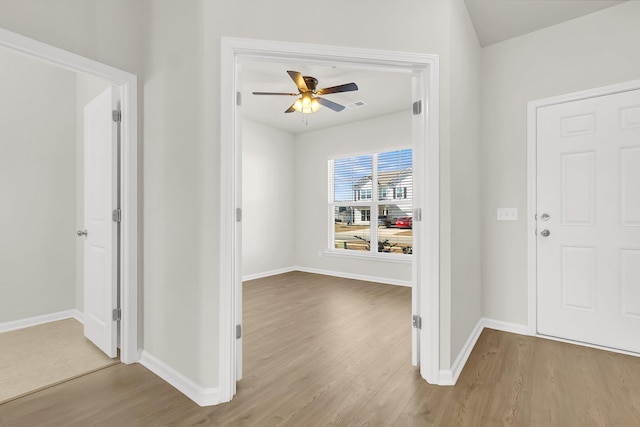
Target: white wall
175 48
269 216
181 283
87 88
466 255
178 46
111 32
37 188
412 25
178 41
588 52
313 150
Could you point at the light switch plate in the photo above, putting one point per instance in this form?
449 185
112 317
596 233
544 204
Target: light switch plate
507 214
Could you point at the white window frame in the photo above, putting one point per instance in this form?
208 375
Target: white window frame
372 203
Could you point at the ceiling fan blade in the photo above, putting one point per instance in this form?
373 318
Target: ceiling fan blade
275 93
290 109
348 87
330 104
298 80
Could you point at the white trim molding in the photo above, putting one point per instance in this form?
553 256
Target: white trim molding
341 274
532 191
14 325
268 273
128 83
425 69
499 325
450 376
364 256
352 276
201 395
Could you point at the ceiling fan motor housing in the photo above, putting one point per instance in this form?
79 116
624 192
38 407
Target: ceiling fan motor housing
311 83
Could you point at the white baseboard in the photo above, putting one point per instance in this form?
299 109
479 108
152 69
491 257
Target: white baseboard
200 395
514 328
39 320
343 275
450 376
374 279
268 273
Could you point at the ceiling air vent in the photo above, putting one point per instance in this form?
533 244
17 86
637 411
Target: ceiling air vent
356 104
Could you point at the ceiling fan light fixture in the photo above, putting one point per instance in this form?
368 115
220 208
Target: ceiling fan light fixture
306 104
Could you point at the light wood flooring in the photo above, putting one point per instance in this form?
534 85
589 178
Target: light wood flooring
327 351
40 356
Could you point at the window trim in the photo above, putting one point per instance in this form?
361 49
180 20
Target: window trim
371 256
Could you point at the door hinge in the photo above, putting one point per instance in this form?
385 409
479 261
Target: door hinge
417 108
417 321
238 214
116 115
116 314
238 332
417 214
239 98
116 215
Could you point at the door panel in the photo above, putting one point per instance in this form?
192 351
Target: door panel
630 179
588 181
630 283
100 275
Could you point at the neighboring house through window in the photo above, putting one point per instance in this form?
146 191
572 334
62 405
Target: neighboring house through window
367 195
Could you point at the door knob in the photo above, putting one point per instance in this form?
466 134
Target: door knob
545 233
545 217
81 233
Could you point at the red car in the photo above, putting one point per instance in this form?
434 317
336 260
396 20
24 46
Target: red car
404 222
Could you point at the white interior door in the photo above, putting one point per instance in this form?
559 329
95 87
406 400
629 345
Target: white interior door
100 199
588 201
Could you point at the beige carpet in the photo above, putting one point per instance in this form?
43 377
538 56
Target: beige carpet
40 356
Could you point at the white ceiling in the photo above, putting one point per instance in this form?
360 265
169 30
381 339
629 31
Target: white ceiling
499 20
387 92
382 92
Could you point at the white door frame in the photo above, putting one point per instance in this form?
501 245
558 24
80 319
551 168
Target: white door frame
128 83
426 157
532 119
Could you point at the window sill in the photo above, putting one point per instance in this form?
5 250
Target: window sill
394 258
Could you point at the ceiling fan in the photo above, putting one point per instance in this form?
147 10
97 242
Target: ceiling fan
310 101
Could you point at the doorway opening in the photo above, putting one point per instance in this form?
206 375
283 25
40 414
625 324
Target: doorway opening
424 124
124 280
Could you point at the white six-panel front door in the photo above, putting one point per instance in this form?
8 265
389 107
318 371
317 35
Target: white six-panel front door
588 220
100 292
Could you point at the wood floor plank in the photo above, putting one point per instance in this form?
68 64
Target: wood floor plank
329 351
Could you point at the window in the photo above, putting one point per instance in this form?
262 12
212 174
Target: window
366 220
